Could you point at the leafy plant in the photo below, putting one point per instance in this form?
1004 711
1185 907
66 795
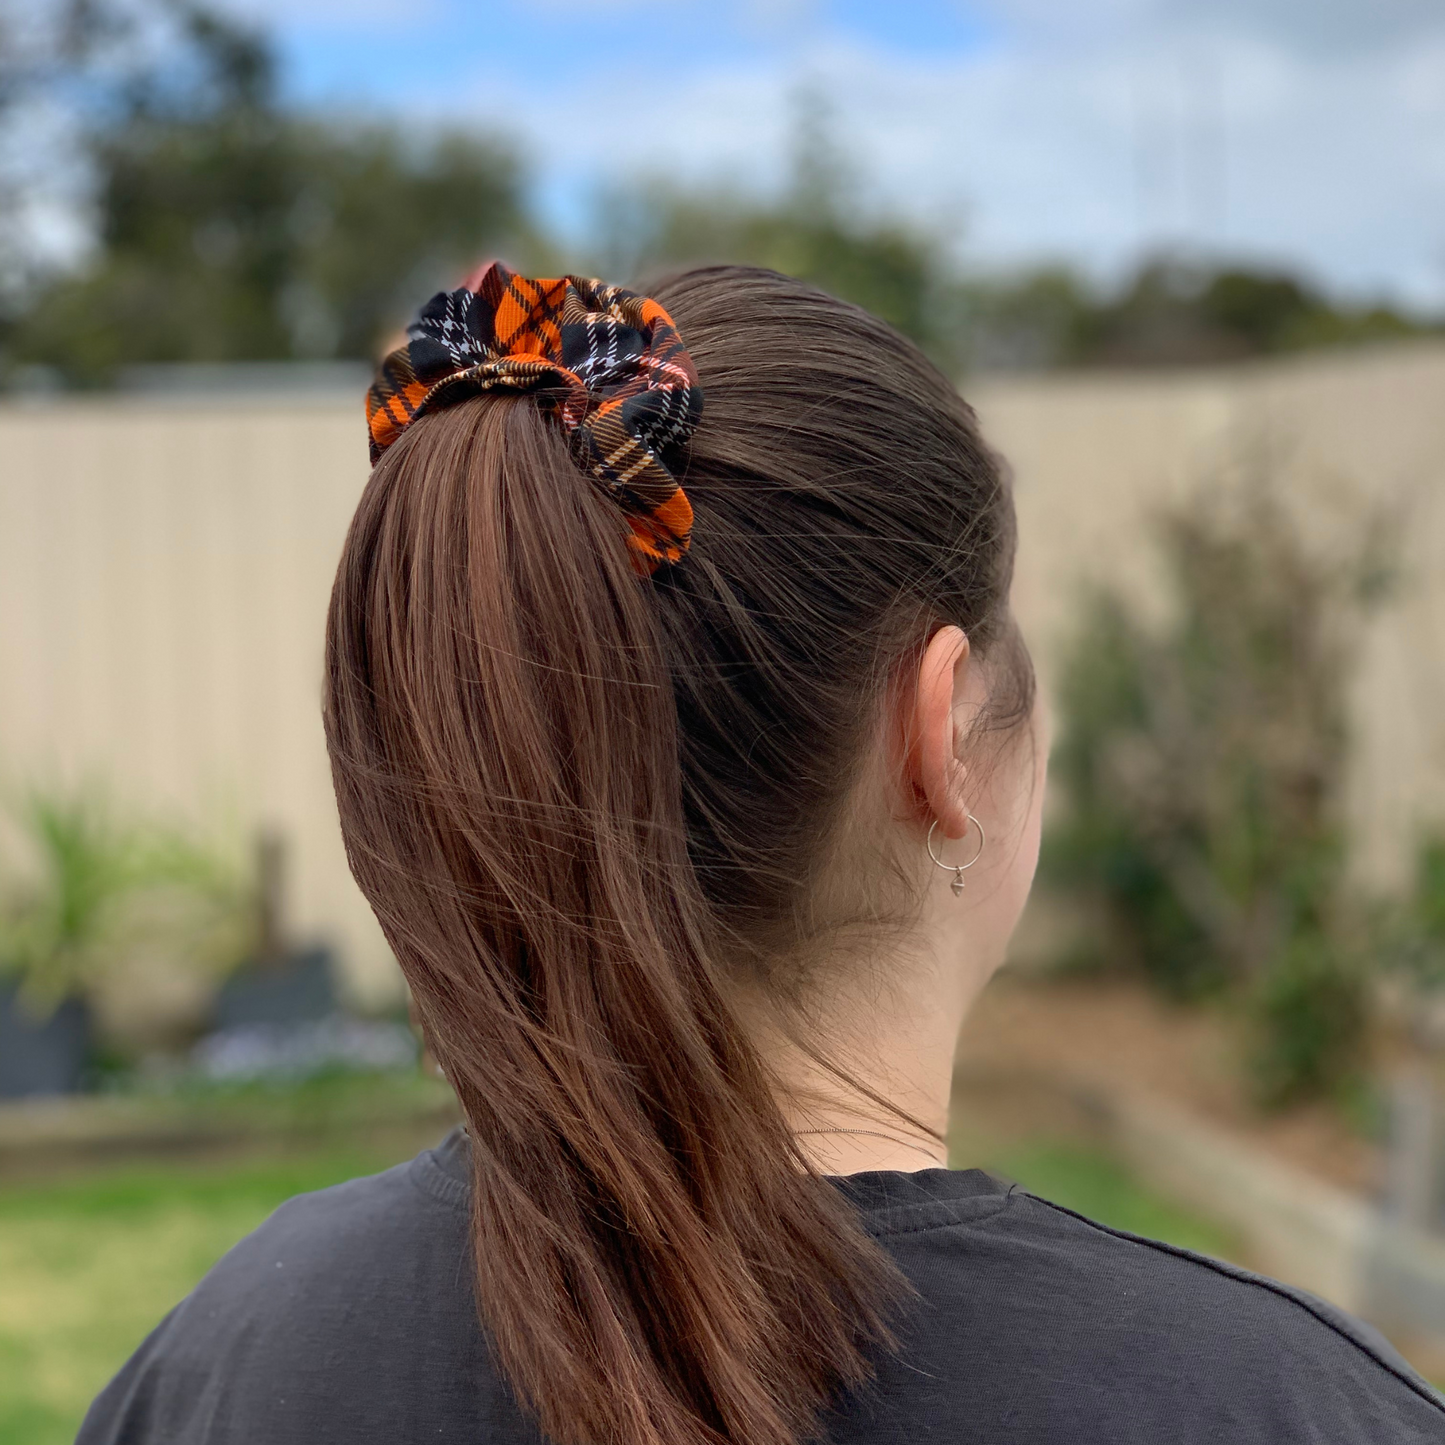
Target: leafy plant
91 887
1201 766
1411 930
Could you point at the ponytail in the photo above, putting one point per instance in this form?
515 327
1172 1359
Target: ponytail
654 1263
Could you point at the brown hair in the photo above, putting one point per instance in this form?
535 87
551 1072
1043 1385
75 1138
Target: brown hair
579 802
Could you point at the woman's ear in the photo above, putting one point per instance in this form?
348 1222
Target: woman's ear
935 773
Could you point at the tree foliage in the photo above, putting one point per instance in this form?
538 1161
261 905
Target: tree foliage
230 225
1169 312
231 228
815 228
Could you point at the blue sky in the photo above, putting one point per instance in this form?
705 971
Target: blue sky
446 42
1305 131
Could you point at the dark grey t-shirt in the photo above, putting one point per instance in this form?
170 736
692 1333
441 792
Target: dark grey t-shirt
348 1317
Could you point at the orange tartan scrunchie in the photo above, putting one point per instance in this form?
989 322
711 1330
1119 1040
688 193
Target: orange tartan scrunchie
609 361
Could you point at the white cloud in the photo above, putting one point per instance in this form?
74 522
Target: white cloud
1306 27
1310 131
321 15
1334 161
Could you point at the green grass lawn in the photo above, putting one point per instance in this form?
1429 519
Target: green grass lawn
88 1266
1092 1183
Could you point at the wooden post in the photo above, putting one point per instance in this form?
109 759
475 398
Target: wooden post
1414 1157
271 897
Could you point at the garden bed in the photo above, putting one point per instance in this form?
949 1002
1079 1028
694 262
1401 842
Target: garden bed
1121 1037
78 1134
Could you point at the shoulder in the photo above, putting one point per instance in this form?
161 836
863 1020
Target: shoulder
285 1334
1186 1288
381 1220
1092 1333
319 1254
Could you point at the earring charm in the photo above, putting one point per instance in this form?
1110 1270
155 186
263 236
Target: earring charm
957 869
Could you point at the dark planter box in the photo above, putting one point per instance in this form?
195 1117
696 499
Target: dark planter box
296 988
46 1056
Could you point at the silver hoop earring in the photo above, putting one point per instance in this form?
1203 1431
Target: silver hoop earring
957 869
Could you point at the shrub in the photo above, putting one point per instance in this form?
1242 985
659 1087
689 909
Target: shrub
1201 767
86 887
1410 930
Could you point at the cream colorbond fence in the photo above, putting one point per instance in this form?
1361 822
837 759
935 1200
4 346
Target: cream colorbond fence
1095 456
164 572
164 568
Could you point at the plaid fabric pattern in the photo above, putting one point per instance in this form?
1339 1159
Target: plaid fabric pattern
608 362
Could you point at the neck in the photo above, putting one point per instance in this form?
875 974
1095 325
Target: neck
892 1145
887 1038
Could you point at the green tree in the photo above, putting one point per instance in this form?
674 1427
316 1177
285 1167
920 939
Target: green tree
817 229
230 228
1168 312
1040 318
1172 311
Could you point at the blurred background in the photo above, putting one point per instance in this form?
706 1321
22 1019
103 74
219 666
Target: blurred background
1187 259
